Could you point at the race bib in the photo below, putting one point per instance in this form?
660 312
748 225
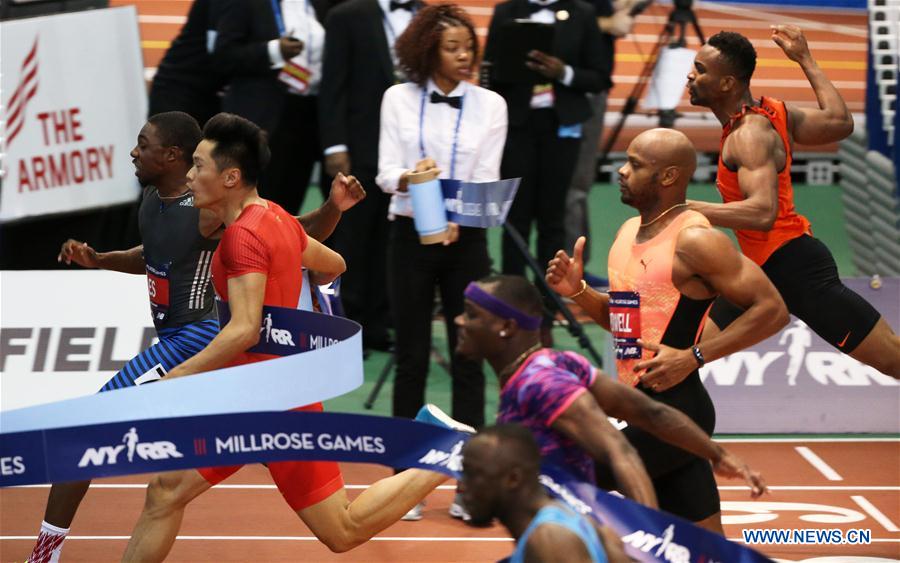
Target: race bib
625 323
158 288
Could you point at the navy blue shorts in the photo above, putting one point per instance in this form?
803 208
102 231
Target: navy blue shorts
174 347
806 276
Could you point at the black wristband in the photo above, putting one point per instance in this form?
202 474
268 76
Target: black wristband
698 355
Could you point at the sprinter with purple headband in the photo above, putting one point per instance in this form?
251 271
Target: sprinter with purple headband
565 401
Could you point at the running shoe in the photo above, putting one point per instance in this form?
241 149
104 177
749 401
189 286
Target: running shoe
458 509
432 415
415 513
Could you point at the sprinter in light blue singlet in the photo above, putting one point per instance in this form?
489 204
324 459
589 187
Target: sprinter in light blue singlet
501 467
558 515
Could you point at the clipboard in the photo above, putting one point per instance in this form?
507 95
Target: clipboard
515 40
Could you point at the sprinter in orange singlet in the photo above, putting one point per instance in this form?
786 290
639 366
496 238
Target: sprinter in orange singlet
665 269
754 179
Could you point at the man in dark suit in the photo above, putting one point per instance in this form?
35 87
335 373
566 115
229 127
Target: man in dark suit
359 66
253 43
186 80
545 117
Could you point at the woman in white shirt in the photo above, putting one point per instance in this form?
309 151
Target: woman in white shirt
439 120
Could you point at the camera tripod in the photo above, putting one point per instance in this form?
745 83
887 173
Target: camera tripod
681 15
552 302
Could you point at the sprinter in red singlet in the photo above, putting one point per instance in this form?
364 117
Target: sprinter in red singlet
754 179
665 268
258 263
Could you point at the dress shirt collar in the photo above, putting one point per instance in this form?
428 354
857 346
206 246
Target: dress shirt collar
458 91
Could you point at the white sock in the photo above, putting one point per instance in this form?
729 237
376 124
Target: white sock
49 544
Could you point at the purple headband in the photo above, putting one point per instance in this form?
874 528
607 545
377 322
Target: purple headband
501 308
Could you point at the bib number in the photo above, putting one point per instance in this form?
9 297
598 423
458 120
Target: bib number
625 324
158 289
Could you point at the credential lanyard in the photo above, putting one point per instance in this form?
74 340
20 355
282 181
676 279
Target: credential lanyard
279 20
455 131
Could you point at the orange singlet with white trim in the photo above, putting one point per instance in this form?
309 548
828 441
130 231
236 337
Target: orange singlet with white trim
643 301
759 245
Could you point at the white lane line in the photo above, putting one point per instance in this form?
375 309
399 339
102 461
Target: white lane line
805 10
453 487
313 538
740 24
853 106
806 24
800 439
811 488
649 39
479 10
174 20
237 487
874 540
864 503
274 538
769 44
818 463
767 82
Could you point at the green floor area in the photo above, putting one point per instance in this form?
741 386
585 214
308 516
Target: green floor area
821 204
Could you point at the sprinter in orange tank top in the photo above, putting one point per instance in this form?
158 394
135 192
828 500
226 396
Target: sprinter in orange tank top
665 268
754 179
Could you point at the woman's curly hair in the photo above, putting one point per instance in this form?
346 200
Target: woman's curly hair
417 47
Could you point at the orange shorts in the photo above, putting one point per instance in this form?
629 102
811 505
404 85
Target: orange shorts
301 483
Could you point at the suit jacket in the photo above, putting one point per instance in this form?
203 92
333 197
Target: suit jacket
577 42
187 64
243 31
356 71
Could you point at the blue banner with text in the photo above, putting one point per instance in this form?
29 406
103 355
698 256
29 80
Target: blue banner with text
479 204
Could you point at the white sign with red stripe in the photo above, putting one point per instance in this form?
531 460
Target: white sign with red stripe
73 100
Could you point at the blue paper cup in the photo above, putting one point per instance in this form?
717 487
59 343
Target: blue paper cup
429 211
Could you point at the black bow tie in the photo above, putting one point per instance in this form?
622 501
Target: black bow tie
452 101
534 8
408 6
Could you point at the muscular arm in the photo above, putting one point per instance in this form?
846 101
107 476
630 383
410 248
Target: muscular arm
612 544
832 120
596 305
751 149
346 191
565 276
129 261
708 264
551 542
672 426
711 256
320 223
586 424
669 425
323 263
245 299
